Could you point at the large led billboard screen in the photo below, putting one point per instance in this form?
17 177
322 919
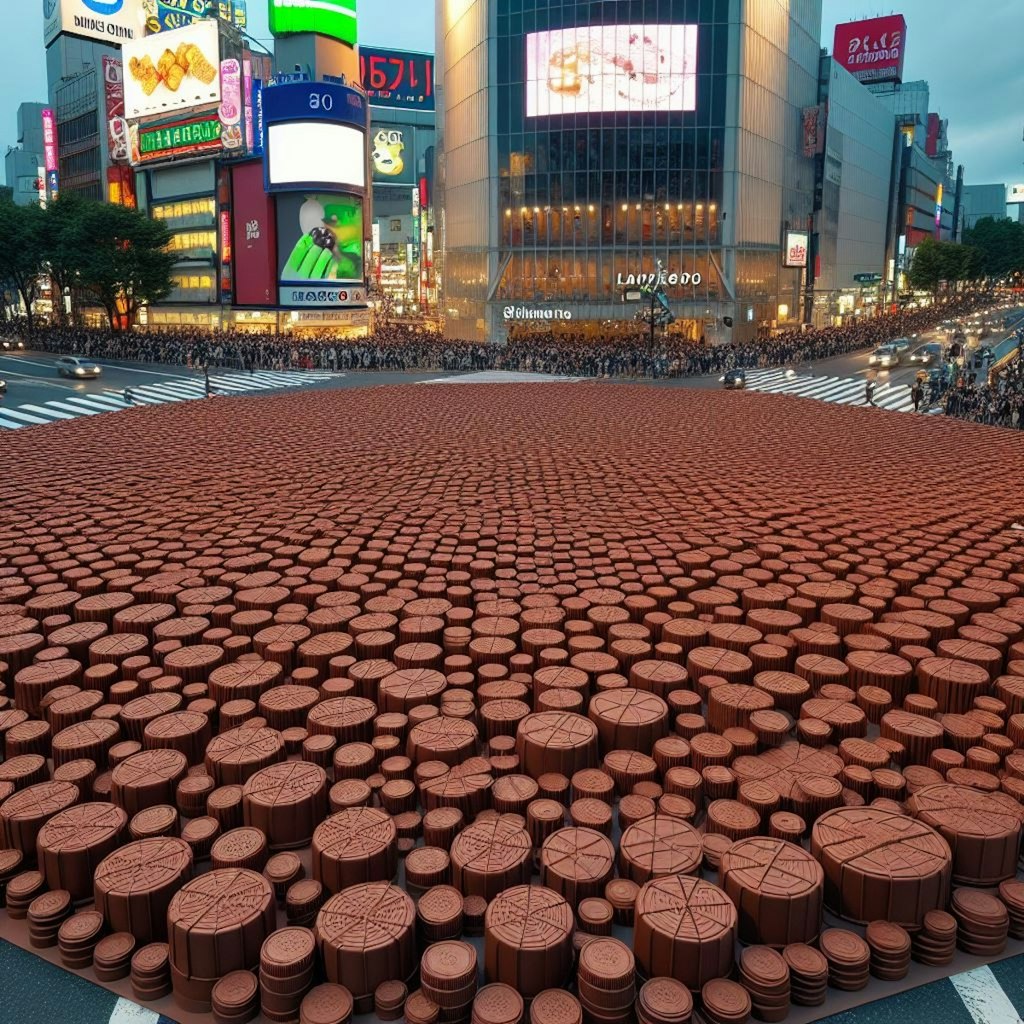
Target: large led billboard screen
110 21
311 152
597 69
872 50
320 249
172 70
334 18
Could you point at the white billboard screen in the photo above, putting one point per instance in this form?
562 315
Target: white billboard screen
172 71
611 68
111 21
316 153
1015 194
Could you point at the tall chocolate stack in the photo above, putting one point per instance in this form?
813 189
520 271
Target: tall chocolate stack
151 972
1012 894
287 962
448 978
112 958
77 939
983 922
236 998
724 1002
935 943
808 974
607 981
764 974
849 959
664 1001
890 950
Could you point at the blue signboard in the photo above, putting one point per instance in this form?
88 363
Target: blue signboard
258 123
53 183
314 101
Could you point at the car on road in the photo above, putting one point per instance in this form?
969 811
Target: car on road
12 344
3 387
73 366
734 380
901 344
927 354
884 357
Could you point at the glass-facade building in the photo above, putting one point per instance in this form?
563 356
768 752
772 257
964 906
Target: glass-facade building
581 141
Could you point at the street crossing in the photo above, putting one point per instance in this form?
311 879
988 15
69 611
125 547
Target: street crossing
837 390
179 389
503 377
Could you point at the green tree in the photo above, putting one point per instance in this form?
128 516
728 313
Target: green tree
927 268
1001 244
21 250
67 246
128 265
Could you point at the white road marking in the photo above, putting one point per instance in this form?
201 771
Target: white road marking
984 997
52 413
127 1012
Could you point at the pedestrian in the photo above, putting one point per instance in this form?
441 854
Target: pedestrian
206 379
869 393
128 396
916 395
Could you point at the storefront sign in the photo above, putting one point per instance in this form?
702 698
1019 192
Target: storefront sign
298 296
872 50
527 313
172 140
672 280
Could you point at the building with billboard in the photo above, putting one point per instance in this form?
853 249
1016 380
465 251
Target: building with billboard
24 162
400 88
578 144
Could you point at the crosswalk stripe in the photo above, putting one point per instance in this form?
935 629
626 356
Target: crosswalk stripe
23 416
105 403
52 413
67 407
984 997
834 390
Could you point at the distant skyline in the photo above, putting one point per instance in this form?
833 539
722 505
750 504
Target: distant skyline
970 61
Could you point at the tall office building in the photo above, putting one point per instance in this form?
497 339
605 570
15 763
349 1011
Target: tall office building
580 143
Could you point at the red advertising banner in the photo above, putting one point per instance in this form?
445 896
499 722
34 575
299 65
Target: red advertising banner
931 142
117 126
254 252
813 121
872 50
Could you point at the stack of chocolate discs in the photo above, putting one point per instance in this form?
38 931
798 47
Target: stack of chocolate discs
607 980
46 913
328 1003
594 916
473 910
555 1006
849 959
151 972
724 1002
1012 894
77 938
983 922
235 998
448 979
808 974
303 900
621 893
664 1001
282 870
389 999
112 957
765 975
421 1009
22 889
10 865
497 1004
287 960
890 950
439 914
935 943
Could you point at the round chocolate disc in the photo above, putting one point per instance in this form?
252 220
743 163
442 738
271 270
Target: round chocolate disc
577 863
659 845
73 843
489 856
355 845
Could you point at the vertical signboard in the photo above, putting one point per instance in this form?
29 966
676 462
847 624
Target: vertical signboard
117 126
247 89
796 246
50 153
254 239
231 103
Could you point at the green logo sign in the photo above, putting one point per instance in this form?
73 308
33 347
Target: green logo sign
334 18
182 136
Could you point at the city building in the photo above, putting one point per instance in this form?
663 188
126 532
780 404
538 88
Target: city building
563 175
982 201
856 211
24 163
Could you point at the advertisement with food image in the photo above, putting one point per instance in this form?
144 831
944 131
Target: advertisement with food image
594 69
172 70
231 103
320 238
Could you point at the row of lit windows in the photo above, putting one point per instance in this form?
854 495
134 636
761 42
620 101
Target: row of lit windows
193 244
187 213
192 288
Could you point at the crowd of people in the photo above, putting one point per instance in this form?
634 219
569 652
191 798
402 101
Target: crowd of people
1000 403
627 353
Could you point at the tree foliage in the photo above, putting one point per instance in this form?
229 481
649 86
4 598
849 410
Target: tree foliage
936 262
110 255
1001 244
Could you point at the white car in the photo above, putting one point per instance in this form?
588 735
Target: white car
885 356
73 366
12 344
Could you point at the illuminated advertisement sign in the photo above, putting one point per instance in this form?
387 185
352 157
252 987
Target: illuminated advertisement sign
796 246
231 103
314 136
397 78
49 140
334 18
607 68
168 15
872 50
938 207
110 21
393 154
320 250
113 94
181 138
172 71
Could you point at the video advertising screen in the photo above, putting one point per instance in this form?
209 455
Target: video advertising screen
319 239
316 153
597 69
